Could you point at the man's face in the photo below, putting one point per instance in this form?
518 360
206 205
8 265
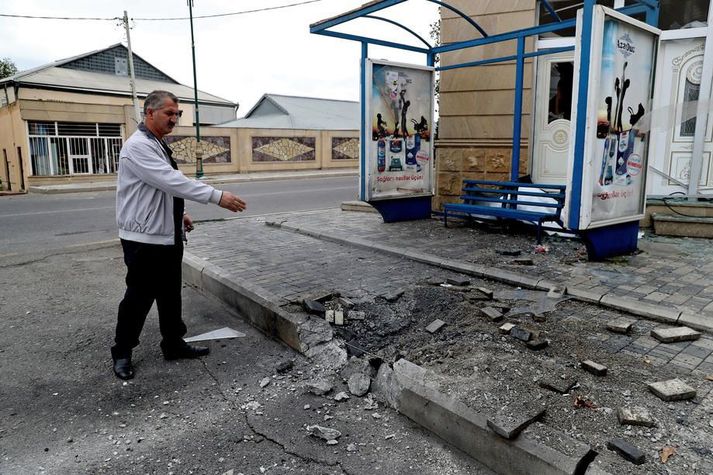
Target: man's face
161 121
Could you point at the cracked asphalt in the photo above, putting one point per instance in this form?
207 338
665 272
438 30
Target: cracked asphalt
63 411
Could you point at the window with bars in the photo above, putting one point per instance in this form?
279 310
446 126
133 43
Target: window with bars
74 148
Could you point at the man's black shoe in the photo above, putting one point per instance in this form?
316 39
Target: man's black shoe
184 351
123 368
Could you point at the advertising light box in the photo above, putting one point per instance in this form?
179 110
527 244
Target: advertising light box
622 58
399 130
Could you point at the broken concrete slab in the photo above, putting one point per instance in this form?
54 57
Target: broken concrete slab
313 332
558 385
459 281
538 344
284 366
509 422
621 325
393 296
341 396
506 327
595 368
556 292
356 315
359 384
325 433
485 291
635 416
345 302
492 313
322 296
330 355
672 390
521 334
674 334
627 450
435 325
357 365
318 387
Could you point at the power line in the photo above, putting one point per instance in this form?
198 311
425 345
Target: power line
217 15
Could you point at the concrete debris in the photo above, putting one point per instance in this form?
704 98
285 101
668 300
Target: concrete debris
521 334
264 382
284 366
506 327
351 448
341 396
558 385
329 316
509 422
331 355
525 261
487 292
635 416
393 296
313 332
314 307
359 384
538 344
620 325
370 403
595 368
557 292
435 325
627 450
459 281
318 387
325 433
672 390
509 253
219 334
332 442
345 303
306 407
492 313
339 317
357 365
674 334
323 296
356 315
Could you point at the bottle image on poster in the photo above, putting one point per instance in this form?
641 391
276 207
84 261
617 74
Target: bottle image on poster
400 114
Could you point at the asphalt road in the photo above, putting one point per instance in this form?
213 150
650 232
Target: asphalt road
62 411
35 222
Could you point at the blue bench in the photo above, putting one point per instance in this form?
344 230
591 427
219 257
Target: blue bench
506 199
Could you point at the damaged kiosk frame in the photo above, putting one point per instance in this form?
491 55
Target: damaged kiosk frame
606 237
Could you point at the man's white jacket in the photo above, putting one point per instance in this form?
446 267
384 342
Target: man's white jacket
145 187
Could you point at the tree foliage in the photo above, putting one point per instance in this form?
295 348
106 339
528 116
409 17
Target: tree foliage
7 68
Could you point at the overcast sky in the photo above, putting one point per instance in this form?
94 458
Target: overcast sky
238 57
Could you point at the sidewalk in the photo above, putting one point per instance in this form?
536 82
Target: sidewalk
110 184
266 266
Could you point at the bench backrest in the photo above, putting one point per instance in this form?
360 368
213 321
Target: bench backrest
514 194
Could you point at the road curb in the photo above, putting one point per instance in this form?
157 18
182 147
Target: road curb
634 307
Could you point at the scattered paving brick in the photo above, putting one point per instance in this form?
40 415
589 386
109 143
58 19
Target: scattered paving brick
674 334
313 306
435 325
521 334
459 281
635 416
595 368
487 292
506 327
539 317
539 344
492 313
627 450
672 390
356 315
620 325
509 423
558 385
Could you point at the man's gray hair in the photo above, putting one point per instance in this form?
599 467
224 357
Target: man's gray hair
156 99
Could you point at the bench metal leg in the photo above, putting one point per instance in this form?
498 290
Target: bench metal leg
445 218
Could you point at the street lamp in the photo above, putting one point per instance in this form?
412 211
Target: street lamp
199 150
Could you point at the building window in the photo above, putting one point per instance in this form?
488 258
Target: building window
74 148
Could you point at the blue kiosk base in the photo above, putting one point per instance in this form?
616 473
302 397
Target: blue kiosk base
403 209
611 241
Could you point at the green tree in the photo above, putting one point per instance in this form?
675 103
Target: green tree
7 68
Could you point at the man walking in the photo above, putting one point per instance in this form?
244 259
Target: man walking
150 195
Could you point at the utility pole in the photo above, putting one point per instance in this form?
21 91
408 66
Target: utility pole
199 150
132 78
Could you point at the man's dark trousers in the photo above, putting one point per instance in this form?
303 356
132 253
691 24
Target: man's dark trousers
153 274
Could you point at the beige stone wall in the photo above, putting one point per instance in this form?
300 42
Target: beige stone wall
476 104
13 134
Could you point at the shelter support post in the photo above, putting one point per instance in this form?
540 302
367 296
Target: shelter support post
517 123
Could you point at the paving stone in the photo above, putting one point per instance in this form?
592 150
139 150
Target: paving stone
627 450
594 368
485 291
510 422
459 281
435 325
538 344
675 334
521 334
356 315
620 325
492 313
506 327
672 390
313 306
635 416
558 385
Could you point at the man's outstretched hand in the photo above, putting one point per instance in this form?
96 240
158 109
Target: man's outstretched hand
231 202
